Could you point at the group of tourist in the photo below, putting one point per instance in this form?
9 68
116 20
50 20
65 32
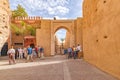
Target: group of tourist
73 52
29 53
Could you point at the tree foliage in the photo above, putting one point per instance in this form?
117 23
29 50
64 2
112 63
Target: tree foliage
23 29
15 29
19 12
32 30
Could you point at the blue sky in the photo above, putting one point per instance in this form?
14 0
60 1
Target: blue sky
66 9
61 34
61 9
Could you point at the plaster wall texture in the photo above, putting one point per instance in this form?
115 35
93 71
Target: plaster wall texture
101 38
78 32
4 22
67 40
43 37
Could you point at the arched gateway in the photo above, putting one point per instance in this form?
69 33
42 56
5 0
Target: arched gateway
45 35
46 29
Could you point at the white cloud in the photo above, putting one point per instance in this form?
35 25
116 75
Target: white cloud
61 33
57 2
63 10
53 7
58 10
50 8
57 17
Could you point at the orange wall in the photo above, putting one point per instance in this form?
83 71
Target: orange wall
43 36
101 34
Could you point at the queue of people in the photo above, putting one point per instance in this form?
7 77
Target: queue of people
28 53
73 52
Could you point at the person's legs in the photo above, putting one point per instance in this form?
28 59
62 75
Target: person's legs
31 57
26 55
34 55
27 58
10 58
13 59
77 54
15 55
74 55
68 55
42 55
38 54
21 55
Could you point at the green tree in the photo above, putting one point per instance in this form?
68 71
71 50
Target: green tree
15 29
23 29
19 30
31 30
19 12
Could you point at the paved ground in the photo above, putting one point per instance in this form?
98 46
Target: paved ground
52 68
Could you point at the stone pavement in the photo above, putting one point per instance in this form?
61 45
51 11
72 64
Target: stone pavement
52 68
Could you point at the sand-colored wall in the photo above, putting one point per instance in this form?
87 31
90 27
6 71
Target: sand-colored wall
78 32
4 21
45 32
101 38
43 36
67 40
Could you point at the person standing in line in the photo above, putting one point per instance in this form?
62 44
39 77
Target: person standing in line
11 55
69 52
36 50
20 53
79 50
16 53
33 52
66 52
25 52
74 52
29 56
39 52
42 52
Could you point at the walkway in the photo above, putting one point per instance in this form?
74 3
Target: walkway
52 68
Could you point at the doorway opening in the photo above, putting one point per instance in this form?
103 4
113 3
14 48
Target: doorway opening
62 41
4 49
32 45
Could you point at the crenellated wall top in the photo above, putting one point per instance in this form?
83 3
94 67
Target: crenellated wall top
28 18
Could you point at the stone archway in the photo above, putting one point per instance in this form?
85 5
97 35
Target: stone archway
61 45
58 24
45 34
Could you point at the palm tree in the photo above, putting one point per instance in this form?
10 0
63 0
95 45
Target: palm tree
62 39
